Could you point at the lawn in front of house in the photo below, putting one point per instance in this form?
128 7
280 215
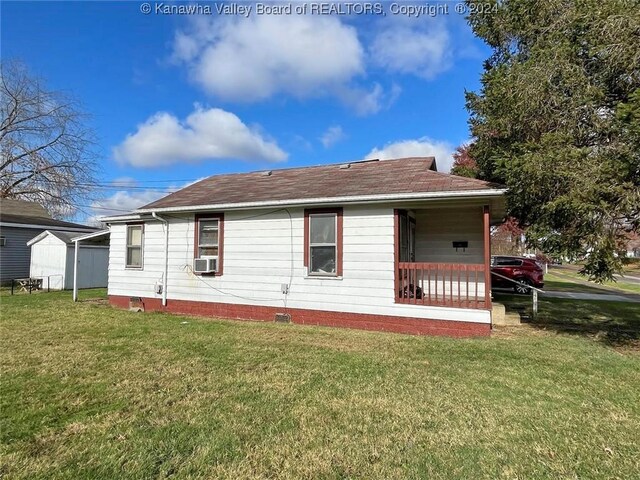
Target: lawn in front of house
89 391
572 279
557 283
615 322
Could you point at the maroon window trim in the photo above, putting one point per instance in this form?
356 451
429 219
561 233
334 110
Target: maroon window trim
339 223
210 216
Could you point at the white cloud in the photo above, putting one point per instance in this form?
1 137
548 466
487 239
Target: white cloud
249 59
126 201
255 58
406 45
205 134
363 102
421 147
122 202
332 135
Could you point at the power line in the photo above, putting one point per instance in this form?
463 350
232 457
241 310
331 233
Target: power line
161 181
121 188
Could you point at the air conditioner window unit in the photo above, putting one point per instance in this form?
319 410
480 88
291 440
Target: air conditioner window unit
205 265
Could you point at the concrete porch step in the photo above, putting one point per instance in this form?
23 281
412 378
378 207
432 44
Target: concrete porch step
499 316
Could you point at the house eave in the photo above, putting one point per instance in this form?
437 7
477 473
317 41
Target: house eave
122 218
46 227
331 201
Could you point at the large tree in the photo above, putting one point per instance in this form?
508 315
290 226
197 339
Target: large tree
558 121
463 163
47 152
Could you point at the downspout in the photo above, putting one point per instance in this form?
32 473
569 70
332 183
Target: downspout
75 271
166 257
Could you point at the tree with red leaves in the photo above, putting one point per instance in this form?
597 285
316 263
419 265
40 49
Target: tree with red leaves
463 164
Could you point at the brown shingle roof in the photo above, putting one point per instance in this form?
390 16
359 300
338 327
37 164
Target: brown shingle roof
405 175
47 223
12 206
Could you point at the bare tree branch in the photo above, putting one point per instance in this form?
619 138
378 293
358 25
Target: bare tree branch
47 149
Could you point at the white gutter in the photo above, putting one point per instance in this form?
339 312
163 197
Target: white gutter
122 218
166 257
396 197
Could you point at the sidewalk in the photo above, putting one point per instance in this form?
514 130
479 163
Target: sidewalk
608 292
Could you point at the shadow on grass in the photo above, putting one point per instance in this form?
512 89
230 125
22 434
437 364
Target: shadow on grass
613 323
559 284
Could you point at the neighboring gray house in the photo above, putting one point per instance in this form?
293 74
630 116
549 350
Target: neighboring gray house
20 221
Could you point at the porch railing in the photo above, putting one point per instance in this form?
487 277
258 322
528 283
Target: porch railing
442 284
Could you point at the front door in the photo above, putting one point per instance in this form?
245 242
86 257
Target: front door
407 237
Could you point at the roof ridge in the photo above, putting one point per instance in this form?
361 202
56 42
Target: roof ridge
322 165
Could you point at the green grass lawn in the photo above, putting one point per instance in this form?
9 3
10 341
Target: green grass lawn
617 323
567 279
559 283
89 391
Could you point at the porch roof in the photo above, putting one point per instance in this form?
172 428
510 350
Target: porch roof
371 179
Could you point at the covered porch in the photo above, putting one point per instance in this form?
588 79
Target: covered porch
443 254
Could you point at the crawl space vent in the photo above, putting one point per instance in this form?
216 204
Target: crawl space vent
136 304
283 318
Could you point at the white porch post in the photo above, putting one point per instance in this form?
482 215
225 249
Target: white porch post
75 272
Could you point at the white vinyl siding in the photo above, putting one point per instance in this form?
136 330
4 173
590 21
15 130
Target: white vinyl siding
263 251
49 262
437 229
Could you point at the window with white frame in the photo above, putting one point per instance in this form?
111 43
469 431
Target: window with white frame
323 244
208 237
135 236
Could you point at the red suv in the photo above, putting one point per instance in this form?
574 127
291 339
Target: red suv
525 271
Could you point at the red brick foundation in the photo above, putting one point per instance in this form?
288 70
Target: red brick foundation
387 323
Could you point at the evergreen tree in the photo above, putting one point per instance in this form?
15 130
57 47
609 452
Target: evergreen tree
558 121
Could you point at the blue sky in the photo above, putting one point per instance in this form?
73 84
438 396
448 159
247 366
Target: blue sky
177 97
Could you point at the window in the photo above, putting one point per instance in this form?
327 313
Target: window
209 238
3 241
135 235
323 242
508 262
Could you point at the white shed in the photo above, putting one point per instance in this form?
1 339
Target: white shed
52 256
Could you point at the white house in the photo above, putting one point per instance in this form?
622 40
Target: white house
53 254
386 245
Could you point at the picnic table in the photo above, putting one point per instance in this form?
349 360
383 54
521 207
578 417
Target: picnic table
28 284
